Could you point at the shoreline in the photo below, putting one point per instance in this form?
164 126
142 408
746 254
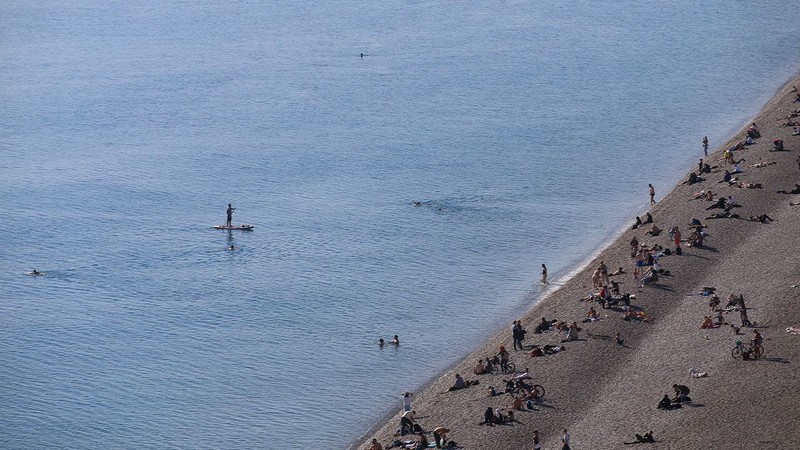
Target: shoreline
602 367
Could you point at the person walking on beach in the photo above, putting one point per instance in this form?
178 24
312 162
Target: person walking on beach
652 194
565 440
537 441
544 274
229 213
705 145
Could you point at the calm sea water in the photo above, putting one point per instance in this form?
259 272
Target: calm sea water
529 130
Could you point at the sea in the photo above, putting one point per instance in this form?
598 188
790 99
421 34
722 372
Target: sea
527 131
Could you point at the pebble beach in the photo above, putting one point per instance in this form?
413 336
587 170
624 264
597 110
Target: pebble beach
605 393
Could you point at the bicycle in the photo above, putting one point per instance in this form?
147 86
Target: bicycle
497 368
752 350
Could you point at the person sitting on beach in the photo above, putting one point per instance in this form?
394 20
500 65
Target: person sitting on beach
708 323
591 316
713 302
649 276
488 416
648 218
667 404
653 231
637 224
459 384
726 178
375 445
681 393
693 178
737 168
491 392
480 368
422 442
720 319
646 439
543 326
763 218
572 333
720 203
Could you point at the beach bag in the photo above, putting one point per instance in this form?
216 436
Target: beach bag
667 251
417 428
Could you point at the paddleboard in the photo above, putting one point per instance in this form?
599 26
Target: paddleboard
34 274
234 227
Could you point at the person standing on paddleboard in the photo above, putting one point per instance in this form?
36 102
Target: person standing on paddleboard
229 212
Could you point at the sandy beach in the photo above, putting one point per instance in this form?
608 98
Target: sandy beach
604 393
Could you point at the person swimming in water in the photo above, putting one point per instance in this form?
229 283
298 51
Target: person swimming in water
229 213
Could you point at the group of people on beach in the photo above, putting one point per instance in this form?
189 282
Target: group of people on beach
647 268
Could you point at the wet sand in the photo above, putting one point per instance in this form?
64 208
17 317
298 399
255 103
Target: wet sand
602 392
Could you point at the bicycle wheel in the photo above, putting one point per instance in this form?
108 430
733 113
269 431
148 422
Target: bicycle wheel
511 368
539 390
758 351
736 352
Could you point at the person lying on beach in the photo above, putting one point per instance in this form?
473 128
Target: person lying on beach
794 203
723 215
653 231
646 439
641 316
544 325
763 164
619 271
722 202
742 185
763 218
796 190
693 178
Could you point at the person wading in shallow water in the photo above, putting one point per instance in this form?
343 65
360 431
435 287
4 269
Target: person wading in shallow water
544 274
